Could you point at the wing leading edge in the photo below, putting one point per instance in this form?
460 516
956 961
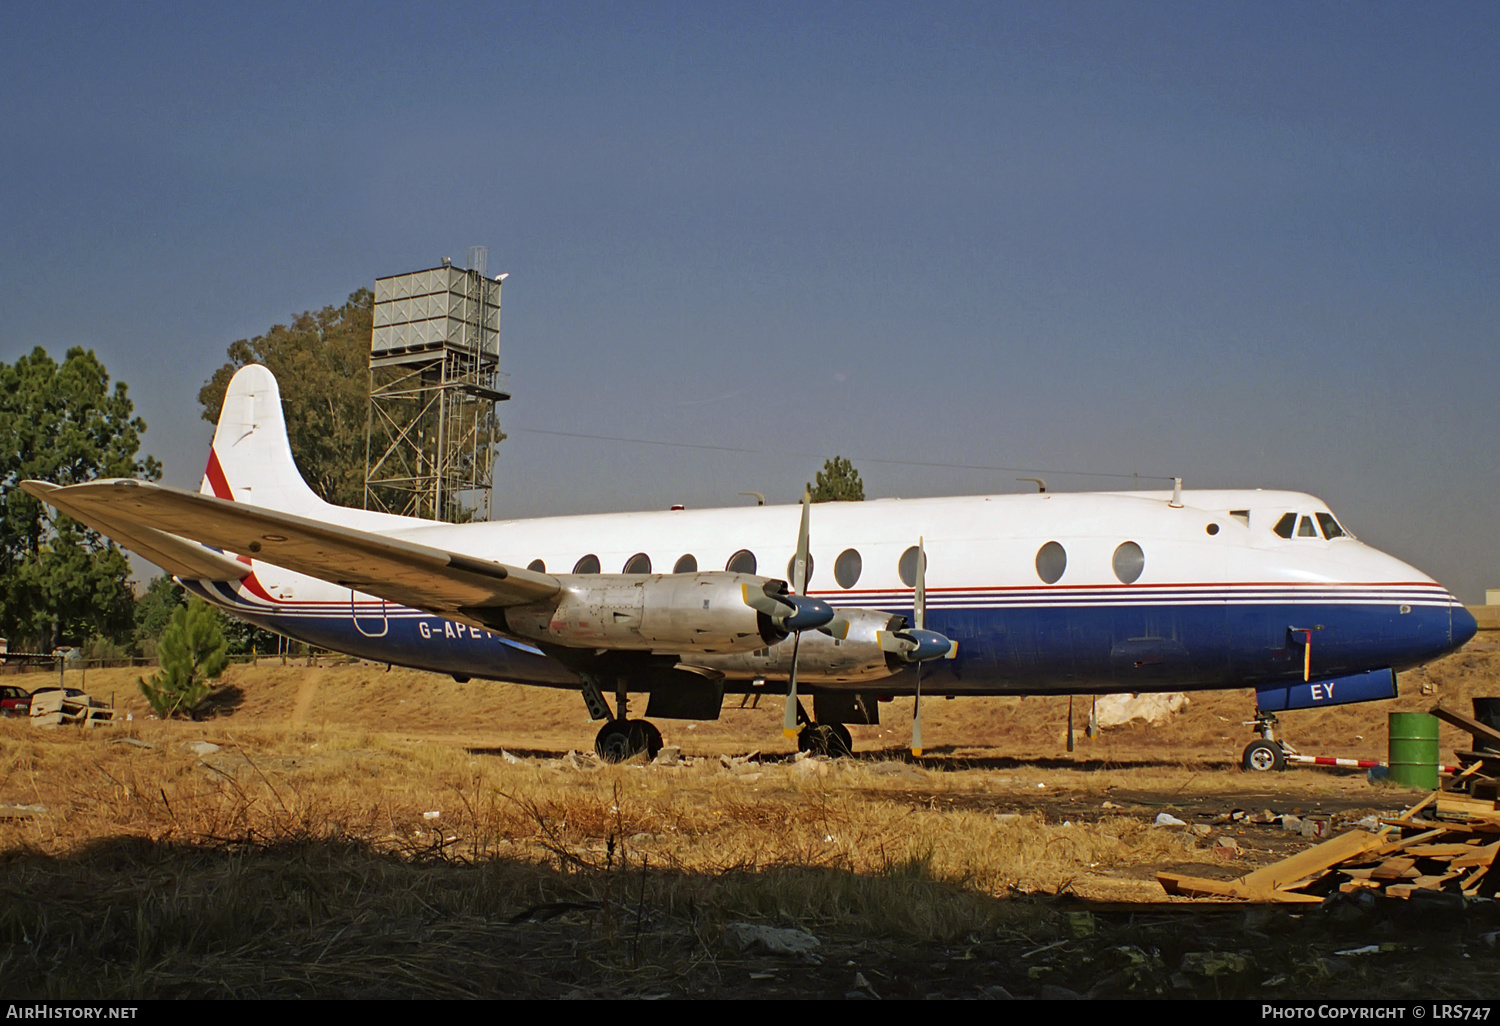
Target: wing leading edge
412 574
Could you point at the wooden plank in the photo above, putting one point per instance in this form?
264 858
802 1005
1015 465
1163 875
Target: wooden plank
1198 887
1314 861
1406 842
1466 723
1481 856
1469 881
1440 851
1195 886
1396 869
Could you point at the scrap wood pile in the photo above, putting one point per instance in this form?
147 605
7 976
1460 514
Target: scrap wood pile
1447 842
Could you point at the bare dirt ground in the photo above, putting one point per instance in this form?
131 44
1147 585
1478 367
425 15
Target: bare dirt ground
364 833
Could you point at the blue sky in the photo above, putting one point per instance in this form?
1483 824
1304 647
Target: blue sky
1247 244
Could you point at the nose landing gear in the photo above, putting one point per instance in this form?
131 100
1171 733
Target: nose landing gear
1265 754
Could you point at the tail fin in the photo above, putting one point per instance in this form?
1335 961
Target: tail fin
251 459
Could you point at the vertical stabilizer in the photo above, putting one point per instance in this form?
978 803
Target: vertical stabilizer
251 459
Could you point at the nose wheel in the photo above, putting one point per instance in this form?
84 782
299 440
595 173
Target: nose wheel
1263 757
1265 754
619 740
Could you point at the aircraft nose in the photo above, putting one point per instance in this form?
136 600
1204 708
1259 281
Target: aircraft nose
1464 626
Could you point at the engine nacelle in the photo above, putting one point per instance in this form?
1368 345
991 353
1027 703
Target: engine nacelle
683 614
821 658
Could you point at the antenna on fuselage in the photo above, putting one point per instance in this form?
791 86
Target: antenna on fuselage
1176 502
1041 486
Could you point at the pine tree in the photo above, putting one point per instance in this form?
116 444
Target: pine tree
193 652
838 481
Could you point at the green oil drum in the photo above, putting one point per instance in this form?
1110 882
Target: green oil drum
1414 750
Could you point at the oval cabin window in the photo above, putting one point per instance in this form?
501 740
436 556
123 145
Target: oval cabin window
640 563
1051 561
1129 561
847 567
587 565
906 566
742 562
686 564
537 565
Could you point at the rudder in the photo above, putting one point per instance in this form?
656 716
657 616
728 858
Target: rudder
251 457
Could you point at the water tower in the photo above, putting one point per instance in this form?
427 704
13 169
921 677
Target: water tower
434 384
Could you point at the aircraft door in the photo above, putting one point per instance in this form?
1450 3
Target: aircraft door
371 619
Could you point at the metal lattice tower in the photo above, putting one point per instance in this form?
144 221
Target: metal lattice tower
434 383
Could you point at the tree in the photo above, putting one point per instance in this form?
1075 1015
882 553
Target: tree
838 481
193 652
321 361
60 582
153 612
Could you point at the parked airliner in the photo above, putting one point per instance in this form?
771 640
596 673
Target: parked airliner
1018 594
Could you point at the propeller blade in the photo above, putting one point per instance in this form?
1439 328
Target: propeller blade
789 722
799 562
838 627
919 598
916 717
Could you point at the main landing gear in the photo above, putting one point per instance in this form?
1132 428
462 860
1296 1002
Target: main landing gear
620 738
1265 754
831 739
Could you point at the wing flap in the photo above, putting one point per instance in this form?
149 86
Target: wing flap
421 576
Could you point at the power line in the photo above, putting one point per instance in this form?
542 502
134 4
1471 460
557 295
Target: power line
824 456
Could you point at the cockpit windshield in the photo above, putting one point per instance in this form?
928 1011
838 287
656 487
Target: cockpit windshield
1303 526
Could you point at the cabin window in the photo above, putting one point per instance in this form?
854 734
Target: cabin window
640 563
1242 515
906 566
847 567
587 565
1212 529
1051 561
742 562
1305 528
1331 528
686 564
1129 561
1285 524
537 565
791 565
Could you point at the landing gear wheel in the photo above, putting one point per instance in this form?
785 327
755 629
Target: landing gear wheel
831 739
1263 757
619 740
646 735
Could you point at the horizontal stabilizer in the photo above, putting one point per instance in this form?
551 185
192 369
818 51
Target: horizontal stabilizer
420 576
177 556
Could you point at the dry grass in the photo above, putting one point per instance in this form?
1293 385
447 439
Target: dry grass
301 857
306 861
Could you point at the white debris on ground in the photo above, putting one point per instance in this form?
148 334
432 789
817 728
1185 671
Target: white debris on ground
771 939
1155 709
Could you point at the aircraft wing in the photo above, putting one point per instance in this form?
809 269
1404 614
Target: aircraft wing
412 574
177 556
